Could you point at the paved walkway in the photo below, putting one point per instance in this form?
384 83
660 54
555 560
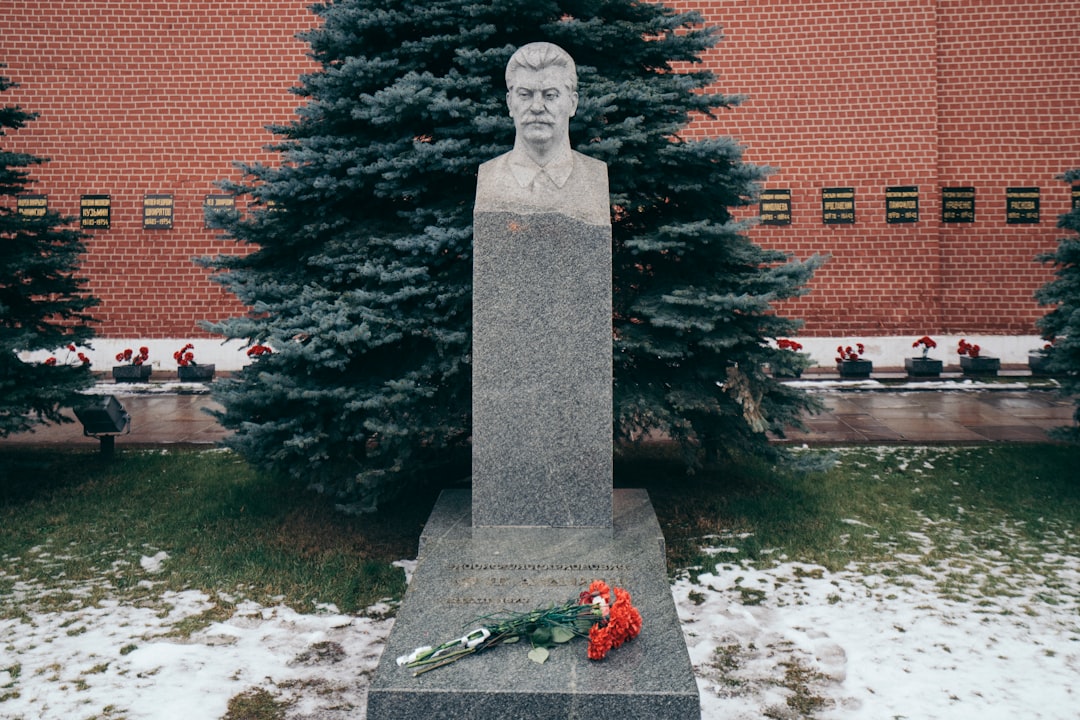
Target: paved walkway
927 416
939 413
165 418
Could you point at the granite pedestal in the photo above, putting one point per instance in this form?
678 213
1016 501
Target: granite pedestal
464 573
541 371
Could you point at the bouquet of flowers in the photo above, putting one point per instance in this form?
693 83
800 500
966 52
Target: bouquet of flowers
966 348
927 343
130 356
849 353
185 356
603 614
83 359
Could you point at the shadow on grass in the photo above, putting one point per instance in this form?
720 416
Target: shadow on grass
720 503
224 526
32 474
871 506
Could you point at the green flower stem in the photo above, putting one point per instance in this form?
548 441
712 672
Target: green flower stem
537 625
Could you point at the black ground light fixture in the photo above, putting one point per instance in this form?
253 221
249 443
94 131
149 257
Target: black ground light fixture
104 420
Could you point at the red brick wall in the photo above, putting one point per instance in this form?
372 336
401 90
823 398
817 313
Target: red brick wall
928 93
138 98
1009 117
147 97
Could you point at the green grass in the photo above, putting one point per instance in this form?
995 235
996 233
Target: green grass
255 704
73 527
924 505
73 519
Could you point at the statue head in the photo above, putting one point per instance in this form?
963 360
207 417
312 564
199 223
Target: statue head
538 56
541 94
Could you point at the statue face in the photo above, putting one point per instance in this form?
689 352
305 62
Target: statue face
541 104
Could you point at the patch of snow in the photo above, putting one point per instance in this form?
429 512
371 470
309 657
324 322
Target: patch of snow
876 648
943 385
118 659
408 566
147 388
153 564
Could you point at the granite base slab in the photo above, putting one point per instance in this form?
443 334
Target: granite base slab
464 573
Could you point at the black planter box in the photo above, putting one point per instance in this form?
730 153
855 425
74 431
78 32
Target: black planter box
195 373
132 373
1037 362
855 368
980 366
922 367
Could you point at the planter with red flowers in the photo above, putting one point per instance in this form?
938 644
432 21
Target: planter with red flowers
190 371
925 366
851 364
974 363
259 350
786 370
136 368
74 357
1039 360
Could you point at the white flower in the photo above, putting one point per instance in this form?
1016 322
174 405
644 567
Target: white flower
601 605
416 655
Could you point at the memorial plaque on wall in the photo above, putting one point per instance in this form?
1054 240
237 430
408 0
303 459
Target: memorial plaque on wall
837 206
94 212
957 204
902 204
157 212
776 207
1021 205
32 206
1075 196
216 202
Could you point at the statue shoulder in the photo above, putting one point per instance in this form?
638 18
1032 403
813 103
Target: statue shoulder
591 164
590 169
493 164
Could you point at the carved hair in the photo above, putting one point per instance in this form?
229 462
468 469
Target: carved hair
540 55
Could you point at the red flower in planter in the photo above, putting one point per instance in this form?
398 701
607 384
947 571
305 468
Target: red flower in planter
968 349
849 353
129 356
927 342
81 356
785 344
184 357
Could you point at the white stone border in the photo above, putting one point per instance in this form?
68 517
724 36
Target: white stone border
885 351
227 356
889 351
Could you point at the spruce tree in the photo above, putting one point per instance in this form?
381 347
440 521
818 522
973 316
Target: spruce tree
1062 323
43 303
359 278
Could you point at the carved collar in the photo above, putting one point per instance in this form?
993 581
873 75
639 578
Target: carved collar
525 170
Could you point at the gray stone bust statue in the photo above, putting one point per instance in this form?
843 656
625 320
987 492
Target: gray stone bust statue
542 173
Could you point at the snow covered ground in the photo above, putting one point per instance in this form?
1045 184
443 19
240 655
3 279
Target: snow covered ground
870 648
970 637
